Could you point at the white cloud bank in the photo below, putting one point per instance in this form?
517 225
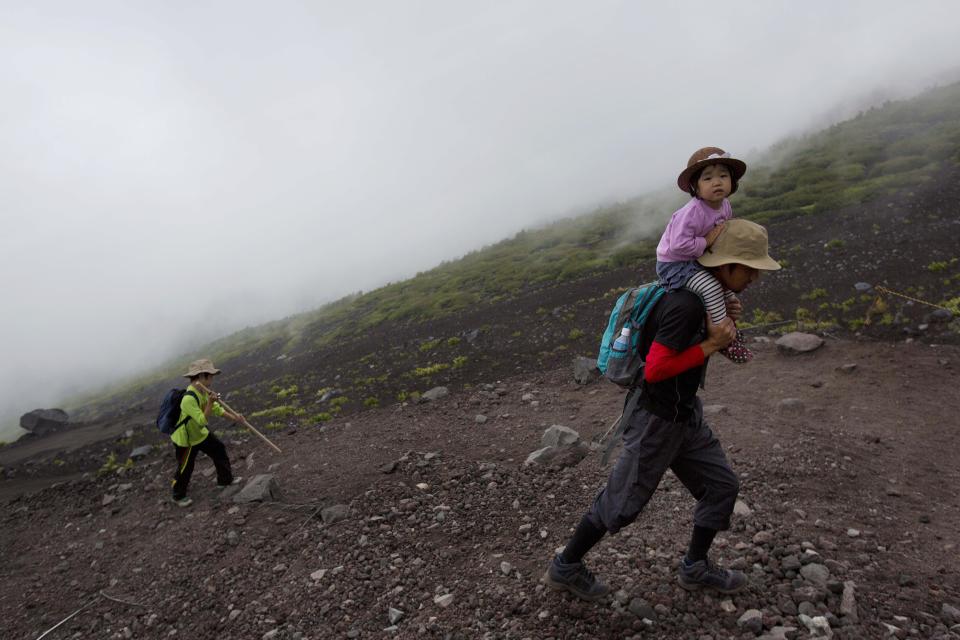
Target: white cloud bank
171 172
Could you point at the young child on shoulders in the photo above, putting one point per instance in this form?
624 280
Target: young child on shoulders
711 175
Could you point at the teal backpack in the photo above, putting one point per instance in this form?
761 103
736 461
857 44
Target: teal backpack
619 359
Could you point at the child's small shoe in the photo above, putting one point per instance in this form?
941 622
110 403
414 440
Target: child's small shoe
236 480
737 350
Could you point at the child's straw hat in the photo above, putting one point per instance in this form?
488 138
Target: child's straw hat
707 156
203 365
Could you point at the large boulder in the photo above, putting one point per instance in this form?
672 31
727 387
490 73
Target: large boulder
798 342
43 421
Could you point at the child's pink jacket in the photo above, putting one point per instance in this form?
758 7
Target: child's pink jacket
683 238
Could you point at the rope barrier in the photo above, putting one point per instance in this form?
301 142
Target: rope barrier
884 290
768 324
47 632
879 289
93 600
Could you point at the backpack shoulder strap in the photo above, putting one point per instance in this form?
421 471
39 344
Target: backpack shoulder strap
187 419
650 294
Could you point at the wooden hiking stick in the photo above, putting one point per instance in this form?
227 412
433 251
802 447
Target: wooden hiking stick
245 423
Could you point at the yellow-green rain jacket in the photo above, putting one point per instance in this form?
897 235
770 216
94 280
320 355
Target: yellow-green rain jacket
194 430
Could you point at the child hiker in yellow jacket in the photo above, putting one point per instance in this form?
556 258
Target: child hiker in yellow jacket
192 434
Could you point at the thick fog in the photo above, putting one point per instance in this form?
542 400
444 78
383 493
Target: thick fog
171 172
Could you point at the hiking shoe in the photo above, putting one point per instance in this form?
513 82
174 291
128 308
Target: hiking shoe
236 480
575 578
703 574
182 502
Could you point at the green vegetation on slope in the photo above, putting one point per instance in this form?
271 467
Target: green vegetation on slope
560 252
879 151
876 153
883 149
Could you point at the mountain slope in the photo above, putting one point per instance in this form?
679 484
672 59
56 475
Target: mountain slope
854 475
836 218
854 179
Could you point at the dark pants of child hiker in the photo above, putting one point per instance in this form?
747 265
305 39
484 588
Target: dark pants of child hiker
651 446
186 456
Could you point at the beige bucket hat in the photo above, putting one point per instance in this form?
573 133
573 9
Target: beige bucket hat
203 365
740 242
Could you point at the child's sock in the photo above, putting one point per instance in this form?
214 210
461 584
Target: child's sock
737 350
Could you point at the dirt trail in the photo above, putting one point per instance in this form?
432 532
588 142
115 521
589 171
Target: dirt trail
861 480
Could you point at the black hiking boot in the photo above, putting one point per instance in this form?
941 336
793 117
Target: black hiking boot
702 574
575 578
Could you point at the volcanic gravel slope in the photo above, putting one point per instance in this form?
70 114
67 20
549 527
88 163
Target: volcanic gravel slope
905 241
852 484
852 488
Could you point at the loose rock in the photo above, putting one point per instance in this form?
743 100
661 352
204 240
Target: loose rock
816 573
791 407
710 410
751 620
817 626
742 509
642 609
796 342
434 394
950 613
335 513
585 370
559 436
140 452
261 488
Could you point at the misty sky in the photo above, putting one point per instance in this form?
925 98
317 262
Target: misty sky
173 171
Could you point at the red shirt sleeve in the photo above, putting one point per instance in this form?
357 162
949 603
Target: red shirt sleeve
663 362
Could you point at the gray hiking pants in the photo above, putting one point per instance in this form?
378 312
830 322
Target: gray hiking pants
651 445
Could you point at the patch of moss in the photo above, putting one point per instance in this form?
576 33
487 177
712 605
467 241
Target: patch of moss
281 411
429 345
430 369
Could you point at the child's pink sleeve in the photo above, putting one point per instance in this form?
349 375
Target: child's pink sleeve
683 237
